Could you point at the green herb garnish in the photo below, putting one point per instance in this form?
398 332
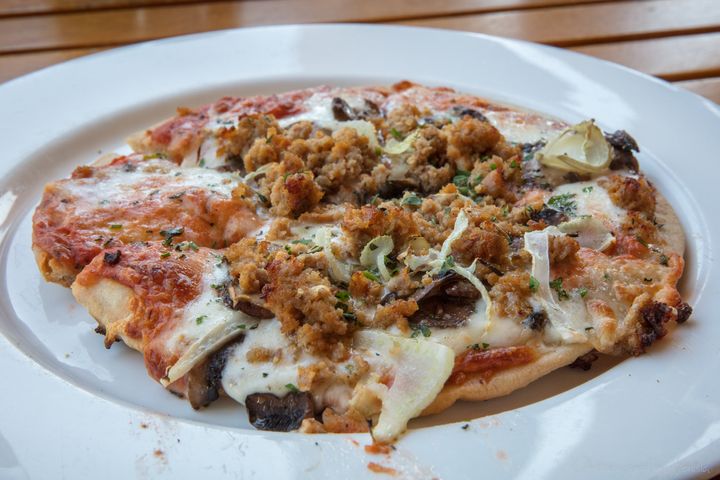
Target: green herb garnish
563 203
397 135
200 319
413 200
533 284
421 329
557 286
370 276
292 388
169 234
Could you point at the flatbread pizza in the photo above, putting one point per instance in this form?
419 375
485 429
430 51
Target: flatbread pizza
347 259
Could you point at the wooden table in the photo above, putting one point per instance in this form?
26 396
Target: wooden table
677 40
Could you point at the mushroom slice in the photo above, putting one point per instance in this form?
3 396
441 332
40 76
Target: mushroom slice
203 381
240 302
447 302
279 414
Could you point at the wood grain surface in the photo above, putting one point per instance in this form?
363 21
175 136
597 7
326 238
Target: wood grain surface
677 40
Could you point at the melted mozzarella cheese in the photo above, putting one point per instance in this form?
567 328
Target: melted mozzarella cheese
206 323
241 378
406 376
569 321
121 185
523 127
592 199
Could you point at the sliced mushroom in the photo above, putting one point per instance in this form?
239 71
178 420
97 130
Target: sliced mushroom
461 111
241 302
549 216
203 381
245 305
279 414
341 110
447 302
623 146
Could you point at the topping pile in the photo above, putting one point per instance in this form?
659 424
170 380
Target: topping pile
383 247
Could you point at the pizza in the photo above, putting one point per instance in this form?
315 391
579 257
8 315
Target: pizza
345 259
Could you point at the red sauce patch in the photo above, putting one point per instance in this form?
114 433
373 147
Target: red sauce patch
487 363
163 286
105 207
377 468
378 449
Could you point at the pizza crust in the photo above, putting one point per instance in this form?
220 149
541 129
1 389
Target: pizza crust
671 232
52 269
113 306
507 381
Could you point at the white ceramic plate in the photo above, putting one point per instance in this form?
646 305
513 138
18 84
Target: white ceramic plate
71 409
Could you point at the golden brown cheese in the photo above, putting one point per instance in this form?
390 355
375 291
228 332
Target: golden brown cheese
134 200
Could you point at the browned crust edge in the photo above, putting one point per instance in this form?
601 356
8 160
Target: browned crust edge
507 381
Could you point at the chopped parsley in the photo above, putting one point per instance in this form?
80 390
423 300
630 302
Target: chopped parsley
378 151
190 245
292 388
199 320
304 241
164 254
115 226
397 135
447 265
461 181
370 276
342 295
420 329
557 286
202 162
533 284
587 189
563 203
583 292
413 200
514 164
170 234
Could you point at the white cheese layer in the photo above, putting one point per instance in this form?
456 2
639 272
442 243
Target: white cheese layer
591 199
406 375
206 324
478 329
241 378
125 186
567 322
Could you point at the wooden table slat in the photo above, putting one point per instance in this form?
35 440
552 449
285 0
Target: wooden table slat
673 58
583 24
706 87
368 9
557 25
34 7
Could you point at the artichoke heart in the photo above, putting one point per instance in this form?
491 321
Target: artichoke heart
581 148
